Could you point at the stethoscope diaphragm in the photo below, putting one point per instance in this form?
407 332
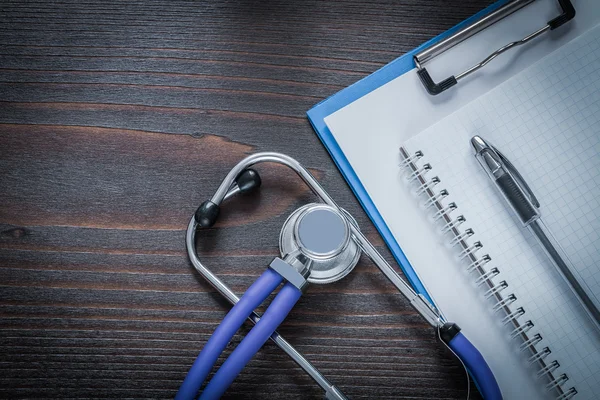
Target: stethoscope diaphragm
321 233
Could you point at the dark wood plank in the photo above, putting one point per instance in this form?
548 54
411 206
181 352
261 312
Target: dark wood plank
117 118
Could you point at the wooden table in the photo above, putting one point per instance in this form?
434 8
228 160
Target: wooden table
117 119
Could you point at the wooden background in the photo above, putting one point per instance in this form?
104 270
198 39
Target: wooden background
117 118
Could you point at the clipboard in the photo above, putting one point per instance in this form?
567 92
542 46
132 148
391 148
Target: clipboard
416 58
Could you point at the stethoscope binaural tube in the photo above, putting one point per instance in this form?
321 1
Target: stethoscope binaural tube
277 311
252 299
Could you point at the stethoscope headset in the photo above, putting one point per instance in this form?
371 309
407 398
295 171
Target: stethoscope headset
319 243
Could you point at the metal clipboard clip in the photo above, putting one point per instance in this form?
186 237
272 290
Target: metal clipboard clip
434 88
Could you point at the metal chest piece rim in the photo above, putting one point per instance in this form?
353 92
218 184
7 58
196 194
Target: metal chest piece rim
322 234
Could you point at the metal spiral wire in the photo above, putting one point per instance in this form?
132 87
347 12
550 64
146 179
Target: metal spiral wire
417 174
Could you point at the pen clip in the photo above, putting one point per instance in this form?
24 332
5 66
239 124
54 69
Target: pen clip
517 175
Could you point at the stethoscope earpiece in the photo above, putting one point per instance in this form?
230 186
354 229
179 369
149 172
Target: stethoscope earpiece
206 215
248 180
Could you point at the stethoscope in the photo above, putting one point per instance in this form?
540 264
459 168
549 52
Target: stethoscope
319 243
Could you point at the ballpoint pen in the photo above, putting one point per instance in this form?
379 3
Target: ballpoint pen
523 202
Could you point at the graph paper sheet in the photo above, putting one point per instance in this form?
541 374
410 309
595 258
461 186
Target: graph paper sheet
546 120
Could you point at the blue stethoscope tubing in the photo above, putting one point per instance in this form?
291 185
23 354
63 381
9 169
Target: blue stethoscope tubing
277 311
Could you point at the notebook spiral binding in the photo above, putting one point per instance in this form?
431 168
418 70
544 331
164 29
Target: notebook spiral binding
417 174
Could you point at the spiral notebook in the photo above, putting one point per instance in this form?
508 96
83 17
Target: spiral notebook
483 270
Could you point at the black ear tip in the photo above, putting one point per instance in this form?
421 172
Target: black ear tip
248 180
206 215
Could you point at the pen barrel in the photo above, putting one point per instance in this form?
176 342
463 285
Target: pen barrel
564 266
517 199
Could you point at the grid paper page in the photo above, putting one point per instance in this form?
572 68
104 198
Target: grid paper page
546 120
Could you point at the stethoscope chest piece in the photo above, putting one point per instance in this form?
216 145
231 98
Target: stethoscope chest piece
321 233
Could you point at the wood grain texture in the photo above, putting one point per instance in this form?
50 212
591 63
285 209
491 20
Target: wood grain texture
117 118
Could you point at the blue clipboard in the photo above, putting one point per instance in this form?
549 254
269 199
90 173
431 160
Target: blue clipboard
317 114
